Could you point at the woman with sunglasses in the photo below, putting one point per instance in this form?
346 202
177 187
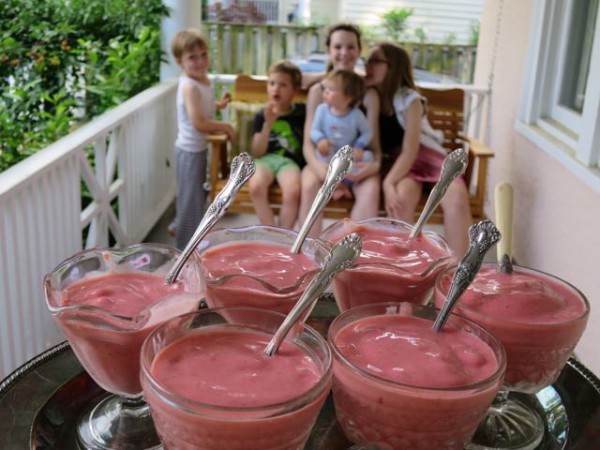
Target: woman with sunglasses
412 154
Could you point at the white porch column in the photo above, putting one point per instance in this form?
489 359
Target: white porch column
283 12
304 12
183 14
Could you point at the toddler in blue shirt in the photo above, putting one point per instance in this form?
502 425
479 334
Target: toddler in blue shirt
338 120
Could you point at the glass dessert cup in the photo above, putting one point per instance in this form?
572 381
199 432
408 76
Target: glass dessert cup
539 319
410 397
391 266
210 386
86 295
253 267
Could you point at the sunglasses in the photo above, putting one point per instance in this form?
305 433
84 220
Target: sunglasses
376 61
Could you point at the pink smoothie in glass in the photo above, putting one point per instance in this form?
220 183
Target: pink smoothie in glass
537 317
108 348
256 274
391 267
400 385
214 388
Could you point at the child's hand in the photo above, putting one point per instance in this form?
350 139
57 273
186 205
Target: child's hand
358 154
230 131
271 113
323 147
224 101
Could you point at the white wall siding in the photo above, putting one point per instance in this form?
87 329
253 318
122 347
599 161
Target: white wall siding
439 18
325 12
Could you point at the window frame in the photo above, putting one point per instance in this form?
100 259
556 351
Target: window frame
575 146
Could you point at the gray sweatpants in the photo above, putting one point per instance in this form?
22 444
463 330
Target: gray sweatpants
190 172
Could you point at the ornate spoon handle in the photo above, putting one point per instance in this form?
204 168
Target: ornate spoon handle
338 169
504 220
343 254
482 236
242 168
454 165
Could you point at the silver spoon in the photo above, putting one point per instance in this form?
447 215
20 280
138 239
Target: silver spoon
338 168
242 168
454 165
482 236
343 254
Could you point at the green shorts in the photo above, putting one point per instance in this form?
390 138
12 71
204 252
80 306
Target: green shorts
276 163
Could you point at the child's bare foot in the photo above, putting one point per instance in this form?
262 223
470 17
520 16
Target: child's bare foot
347 192
171 229
338 193
341 191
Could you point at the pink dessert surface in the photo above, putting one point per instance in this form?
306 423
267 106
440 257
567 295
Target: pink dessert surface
406 350
257 274
125 294
538 319
236 397
521 298
413 255
109 348
231 369
272 263
422 390
391 267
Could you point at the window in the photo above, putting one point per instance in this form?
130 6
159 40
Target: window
561 105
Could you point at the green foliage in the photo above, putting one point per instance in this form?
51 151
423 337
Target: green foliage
371 35
65 61
420 35
450 38
474 35
394 22
120 71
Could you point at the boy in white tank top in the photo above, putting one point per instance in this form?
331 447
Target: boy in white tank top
195 117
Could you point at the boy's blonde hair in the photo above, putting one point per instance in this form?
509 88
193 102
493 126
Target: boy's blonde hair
186 41
352 84
288 68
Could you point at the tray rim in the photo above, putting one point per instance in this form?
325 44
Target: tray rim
15 376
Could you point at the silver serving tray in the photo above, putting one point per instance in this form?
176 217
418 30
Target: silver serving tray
40 403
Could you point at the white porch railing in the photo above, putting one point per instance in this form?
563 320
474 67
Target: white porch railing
42 221
124 158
